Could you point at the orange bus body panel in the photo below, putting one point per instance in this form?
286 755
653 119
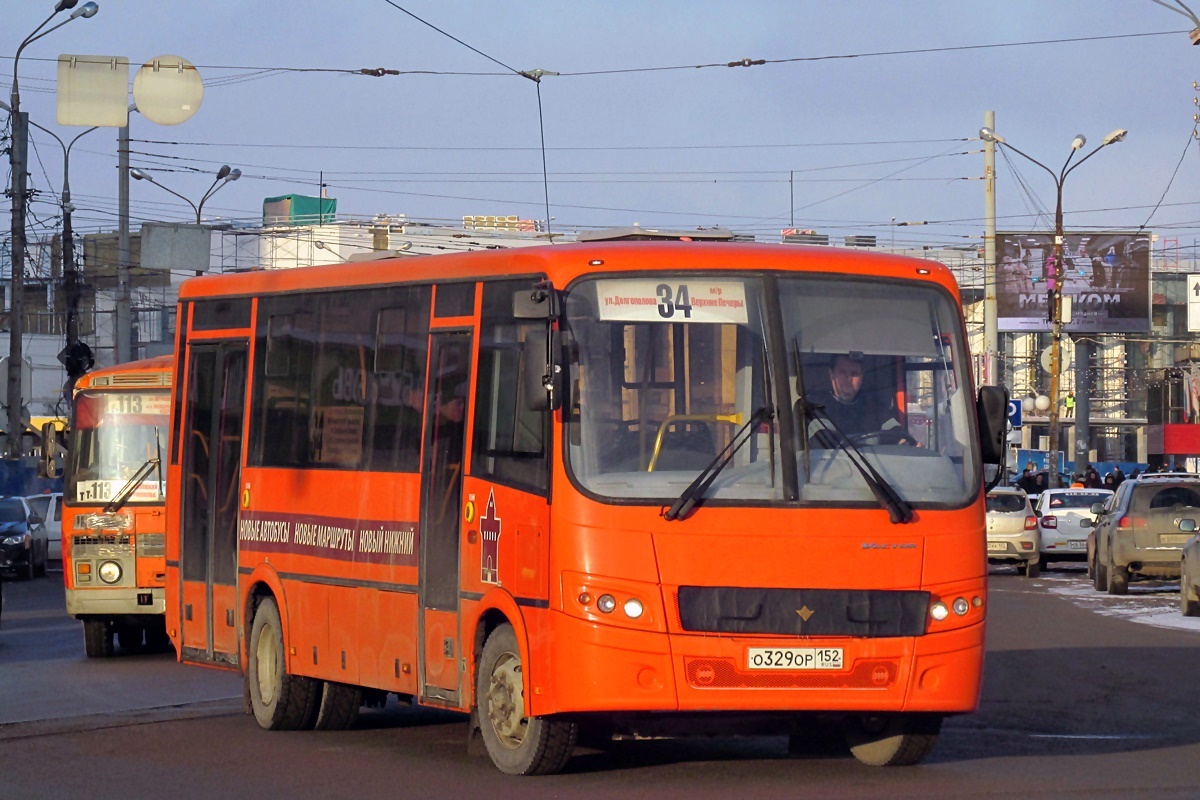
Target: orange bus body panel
355 620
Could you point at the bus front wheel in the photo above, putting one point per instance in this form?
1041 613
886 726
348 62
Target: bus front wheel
897 740
97 638
517 744
280 701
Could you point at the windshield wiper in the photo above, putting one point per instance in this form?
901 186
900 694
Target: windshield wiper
131 486
138 478
696 489
899 511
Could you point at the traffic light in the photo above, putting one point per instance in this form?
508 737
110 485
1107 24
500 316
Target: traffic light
77 358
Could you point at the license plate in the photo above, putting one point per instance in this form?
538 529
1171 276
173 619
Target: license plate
794 658
1077 545
997 546
1175 538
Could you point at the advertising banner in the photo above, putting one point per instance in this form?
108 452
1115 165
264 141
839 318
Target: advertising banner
1106 275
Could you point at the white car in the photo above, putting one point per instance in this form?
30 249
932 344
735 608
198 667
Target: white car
49 507
1059 513
1012 531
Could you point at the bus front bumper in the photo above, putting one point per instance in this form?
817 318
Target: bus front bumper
122 601
611 669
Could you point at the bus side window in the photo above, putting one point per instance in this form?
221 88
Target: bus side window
397 403
509 441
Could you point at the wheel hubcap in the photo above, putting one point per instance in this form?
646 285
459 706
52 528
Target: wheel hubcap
267 658
506 701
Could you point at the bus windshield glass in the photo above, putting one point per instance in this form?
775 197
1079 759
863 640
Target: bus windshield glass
665 371
882 368
669 369
114 435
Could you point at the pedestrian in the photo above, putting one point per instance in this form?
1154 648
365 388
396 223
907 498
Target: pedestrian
1092 479
1118 477
1069 402
1110 483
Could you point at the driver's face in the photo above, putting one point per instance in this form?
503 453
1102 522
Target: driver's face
845 377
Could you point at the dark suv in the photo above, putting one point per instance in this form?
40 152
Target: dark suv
1141 531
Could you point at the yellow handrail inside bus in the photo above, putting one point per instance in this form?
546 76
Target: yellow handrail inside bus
732 419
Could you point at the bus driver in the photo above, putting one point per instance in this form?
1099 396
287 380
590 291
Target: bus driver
848 408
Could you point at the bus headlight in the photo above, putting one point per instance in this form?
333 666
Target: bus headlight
939 611
961 606
606 603
109 572
633 608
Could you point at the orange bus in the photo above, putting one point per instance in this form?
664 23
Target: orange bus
114 522
609 487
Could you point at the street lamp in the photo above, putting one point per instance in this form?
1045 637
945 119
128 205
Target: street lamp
17 162
75 358
1055 297
224 175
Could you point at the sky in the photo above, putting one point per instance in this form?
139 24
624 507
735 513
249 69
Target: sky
635 129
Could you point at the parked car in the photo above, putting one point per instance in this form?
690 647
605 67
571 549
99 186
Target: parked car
1189 578
23 542
1142 531
1012 532
48 506
1060 514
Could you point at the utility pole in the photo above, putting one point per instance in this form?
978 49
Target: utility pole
123 333
991 334
17 157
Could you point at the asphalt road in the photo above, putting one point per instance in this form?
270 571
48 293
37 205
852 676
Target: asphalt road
1084 696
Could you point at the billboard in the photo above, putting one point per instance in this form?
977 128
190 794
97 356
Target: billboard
1106 275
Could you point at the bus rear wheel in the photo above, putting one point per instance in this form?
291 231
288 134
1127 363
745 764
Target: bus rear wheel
97 638
896 740
339 707
280 701
517 744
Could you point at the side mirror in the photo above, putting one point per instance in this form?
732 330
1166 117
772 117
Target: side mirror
48 465
541 374
1097 508
541 301
992 413
1187 525
34 519
1086 523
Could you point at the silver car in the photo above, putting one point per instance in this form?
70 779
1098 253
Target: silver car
1061 517
1012 534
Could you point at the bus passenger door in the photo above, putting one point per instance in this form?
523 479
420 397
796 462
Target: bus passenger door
441 510
212 454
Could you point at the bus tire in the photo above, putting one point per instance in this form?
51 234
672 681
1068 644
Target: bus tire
280 701
97 638
157 640
338 708
897 740
130 637
517 745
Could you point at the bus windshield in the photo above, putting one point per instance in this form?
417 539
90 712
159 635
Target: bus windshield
666 370
114 435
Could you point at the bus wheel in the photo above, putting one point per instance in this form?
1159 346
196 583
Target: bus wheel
97 638
339 707
130 637
517 744
898 740
157 640
281 702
